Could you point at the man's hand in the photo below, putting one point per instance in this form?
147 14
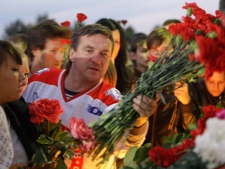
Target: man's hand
181 93
144 105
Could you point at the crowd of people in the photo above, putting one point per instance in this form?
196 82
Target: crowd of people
32 67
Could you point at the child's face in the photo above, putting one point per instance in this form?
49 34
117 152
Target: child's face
157 51
142 54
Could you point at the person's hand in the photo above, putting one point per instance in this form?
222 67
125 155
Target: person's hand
181 93
144 106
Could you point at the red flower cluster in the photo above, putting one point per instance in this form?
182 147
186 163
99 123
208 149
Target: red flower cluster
45 108
66 23
209 112
166 157
81 17
208 32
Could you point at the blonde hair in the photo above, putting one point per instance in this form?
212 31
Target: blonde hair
111 74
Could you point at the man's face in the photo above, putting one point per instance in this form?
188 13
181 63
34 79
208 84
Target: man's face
51 56
216 84
141 56
91 59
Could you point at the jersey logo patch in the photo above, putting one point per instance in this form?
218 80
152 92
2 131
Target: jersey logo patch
114 93
42 70
94 110
35 96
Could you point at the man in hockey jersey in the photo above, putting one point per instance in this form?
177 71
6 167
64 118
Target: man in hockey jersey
83 93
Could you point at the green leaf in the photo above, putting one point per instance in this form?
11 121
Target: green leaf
68 154
39 157
61 164
177 138
189 12
142 152
192 126
129 158
61 135
211 35
43 139
54 129
193 45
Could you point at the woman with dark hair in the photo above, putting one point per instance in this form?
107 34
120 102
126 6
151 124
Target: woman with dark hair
13 81
119 56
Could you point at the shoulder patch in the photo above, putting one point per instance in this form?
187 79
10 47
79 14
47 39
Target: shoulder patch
114 93
42 70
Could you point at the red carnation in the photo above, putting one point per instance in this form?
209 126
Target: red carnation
81 17
66 41
66 23
123 22
152 58
209 111
165 157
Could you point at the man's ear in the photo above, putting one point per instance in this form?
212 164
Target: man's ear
72 54
36 51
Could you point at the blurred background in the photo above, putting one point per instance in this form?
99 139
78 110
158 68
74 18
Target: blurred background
141 15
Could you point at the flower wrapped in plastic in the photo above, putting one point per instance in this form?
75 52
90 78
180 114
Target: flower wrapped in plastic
54 144
197 41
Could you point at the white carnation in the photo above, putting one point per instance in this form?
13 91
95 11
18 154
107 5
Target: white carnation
210 146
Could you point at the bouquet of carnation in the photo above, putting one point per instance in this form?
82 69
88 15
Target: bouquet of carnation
197 41
55 145
202 147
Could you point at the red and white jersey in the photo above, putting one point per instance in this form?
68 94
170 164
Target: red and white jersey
89 104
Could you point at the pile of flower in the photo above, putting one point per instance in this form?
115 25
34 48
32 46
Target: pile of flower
202 149
205 33
55 144
199 43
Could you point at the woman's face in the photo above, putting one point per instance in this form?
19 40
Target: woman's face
116 37
216 84
12 81
25 70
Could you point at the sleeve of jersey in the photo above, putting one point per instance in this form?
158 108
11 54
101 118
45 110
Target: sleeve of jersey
44 76
108 95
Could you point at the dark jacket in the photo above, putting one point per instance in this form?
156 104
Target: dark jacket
174 117
168 119
17 113
201 97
